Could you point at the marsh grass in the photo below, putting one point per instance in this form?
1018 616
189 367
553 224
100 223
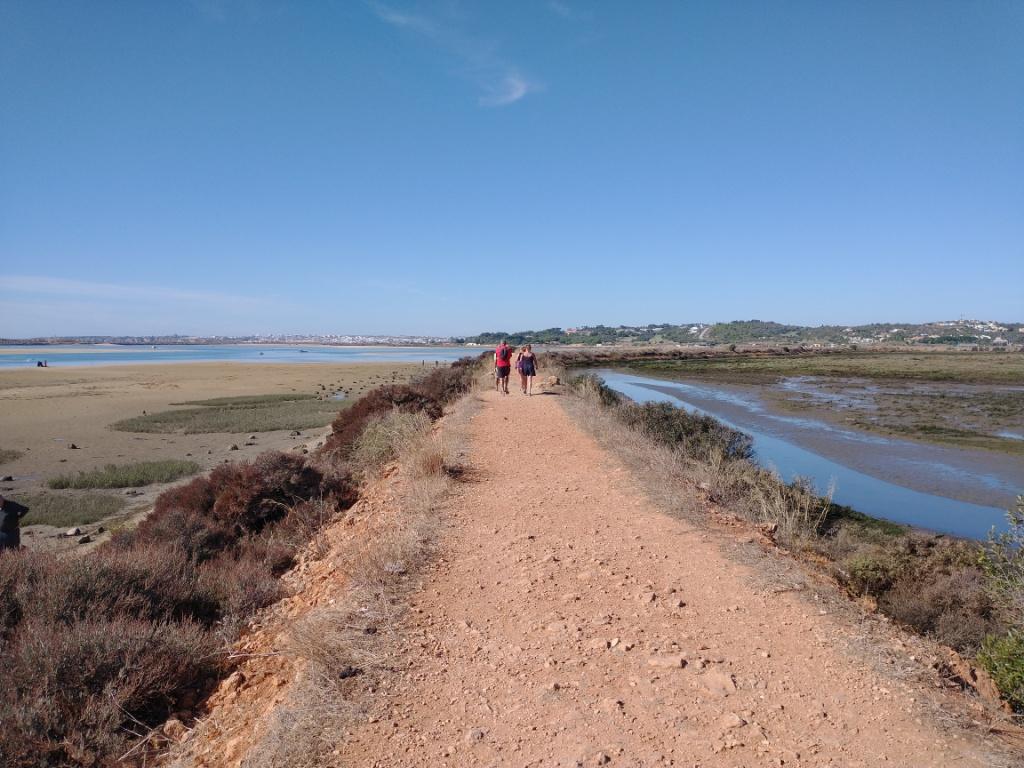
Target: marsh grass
7 454
973 368
242 401
256 413
132 475
67 510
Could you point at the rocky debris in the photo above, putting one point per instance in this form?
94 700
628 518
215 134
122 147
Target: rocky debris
85 539
250 442
667 661
474 735
73 447
730 721
132 492
295 433
252 437
602 758
73 532
6 479
233 447
717 683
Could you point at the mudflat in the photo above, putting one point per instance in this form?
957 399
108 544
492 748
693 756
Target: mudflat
44 411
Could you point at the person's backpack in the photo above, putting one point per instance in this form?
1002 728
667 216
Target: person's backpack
504 354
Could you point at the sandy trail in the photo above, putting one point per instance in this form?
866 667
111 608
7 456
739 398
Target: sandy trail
570 623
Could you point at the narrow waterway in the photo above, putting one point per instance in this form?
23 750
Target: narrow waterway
964 493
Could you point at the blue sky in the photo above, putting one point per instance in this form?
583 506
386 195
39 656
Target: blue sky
235 166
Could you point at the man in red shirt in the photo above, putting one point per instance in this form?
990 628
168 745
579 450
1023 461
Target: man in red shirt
502 366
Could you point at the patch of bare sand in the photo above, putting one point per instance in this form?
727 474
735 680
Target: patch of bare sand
44 410
570 623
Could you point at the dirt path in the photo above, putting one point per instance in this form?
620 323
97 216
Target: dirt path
569 623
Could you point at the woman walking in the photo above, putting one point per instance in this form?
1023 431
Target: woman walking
527 365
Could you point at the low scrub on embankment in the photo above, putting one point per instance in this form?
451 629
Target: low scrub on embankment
965 595
100 649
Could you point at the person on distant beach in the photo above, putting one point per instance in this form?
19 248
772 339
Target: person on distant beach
502 366
527 367
10 523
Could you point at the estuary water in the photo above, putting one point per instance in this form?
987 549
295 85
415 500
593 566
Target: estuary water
65 355
964 493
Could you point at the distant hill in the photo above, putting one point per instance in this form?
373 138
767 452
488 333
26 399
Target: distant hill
975 332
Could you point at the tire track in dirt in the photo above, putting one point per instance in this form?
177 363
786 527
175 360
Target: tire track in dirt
568 622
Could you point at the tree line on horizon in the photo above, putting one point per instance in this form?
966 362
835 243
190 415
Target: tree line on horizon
746 331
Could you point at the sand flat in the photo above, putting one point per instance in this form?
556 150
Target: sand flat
44 410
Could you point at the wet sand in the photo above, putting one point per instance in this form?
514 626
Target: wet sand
45 410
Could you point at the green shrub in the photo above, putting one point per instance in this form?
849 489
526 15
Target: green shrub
127 475
1003 658
870 574
698 437
1003 561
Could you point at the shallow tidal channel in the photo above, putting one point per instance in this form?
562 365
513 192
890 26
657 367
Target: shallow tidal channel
949 490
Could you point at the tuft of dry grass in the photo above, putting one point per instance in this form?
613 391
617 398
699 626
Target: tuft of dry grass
8 454
384 438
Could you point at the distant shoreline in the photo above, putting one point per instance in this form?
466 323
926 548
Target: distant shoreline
96 355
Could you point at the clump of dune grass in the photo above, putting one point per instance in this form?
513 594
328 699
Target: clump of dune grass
251 413
7 454
66 510
132 475
385 438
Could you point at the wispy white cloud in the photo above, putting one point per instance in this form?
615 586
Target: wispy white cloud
560 8
501 83
510 90
39 285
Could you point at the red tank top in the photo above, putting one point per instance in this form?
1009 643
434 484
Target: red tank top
503 356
